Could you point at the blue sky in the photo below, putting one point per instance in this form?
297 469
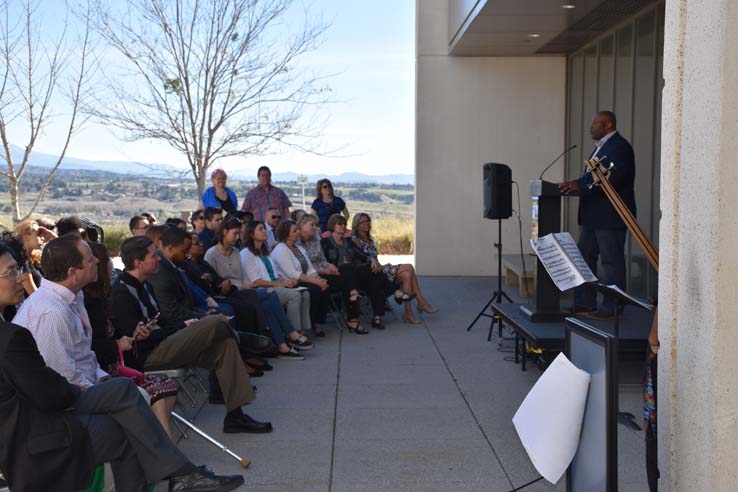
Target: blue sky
370 46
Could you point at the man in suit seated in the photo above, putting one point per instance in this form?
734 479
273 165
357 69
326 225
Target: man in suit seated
53 433
151 285
602 231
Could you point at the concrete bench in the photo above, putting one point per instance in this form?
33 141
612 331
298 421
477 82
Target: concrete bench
513 268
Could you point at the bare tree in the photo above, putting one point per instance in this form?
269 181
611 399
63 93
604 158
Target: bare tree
34 69
212 78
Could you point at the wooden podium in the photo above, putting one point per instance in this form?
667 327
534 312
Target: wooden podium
546 305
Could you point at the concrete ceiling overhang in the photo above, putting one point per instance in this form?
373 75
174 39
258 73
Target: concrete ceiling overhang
535 27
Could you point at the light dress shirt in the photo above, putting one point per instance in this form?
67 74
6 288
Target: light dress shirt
271 237
58 321
601 143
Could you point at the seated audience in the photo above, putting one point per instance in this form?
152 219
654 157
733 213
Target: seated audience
54 433
271 221
175 222
181 337
219 195
224 257
327 203
291 262
204 276
296 215
213 218
29 233
138 225
258 270
149 217
155 232
341 279
72 224
11 281
197 220
340 251
162 391
402 275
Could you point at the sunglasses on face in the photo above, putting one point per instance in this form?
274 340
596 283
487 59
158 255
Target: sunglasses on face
201 217
326 186
276 217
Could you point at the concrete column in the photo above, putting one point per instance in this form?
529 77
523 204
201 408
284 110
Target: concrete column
698 275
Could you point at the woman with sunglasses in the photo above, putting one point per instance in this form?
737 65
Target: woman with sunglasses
327 203
340 278
291 262
402 275
258 269
197 219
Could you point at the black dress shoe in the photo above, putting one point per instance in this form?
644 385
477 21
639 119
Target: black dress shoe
244 423
203 480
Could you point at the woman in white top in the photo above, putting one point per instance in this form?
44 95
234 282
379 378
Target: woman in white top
258 270
291 262
226 260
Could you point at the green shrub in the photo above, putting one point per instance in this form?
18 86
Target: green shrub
393 236
115 234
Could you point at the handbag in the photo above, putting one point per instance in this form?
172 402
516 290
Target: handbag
127 372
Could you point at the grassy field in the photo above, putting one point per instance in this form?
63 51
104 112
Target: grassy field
392 228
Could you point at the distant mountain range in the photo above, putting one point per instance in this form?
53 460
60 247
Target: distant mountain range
38 159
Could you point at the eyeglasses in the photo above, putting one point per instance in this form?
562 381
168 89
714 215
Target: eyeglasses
13 274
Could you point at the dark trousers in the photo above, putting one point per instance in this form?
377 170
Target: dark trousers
609 246
345 283
318 303
375 285
125 432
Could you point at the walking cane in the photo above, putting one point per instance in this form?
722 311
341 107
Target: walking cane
244 462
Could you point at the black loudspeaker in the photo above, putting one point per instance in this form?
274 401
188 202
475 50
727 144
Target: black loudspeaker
497 191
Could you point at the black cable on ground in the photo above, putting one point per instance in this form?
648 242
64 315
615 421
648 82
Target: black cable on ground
527 484
468 405
335 411
523 280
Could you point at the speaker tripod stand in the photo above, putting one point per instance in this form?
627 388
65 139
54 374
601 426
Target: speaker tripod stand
499 293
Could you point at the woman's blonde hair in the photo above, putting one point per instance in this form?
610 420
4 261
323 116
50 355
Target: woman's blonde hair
25 227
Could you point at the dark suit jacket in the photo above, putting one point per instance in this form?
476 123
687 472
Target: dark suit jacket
43 447
595 210
174 297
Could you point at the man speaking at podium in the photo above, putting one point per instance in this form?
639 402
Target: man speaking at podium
601 230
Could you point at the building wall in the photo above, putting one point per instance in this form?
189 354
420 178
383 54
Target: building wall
470 111
698 401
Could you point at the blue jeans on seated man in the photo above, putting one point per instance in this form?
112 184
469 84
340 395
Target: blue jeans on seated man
609 246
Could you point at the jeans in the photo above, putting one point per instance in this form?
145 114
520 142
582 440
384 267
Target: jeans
276 318
609 245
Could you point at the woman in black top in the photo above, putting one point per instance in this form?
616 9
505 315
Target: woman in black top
341 251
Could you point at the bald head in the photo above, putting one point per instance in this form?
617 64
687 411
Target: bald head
603 122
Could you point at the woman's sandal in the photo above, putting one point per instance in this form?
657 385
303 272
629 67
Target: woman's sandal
408 318
356 328
427 308
377 324
405 297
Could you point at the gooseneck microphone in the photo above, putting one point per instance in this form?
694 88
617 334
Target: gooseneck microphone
557 158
